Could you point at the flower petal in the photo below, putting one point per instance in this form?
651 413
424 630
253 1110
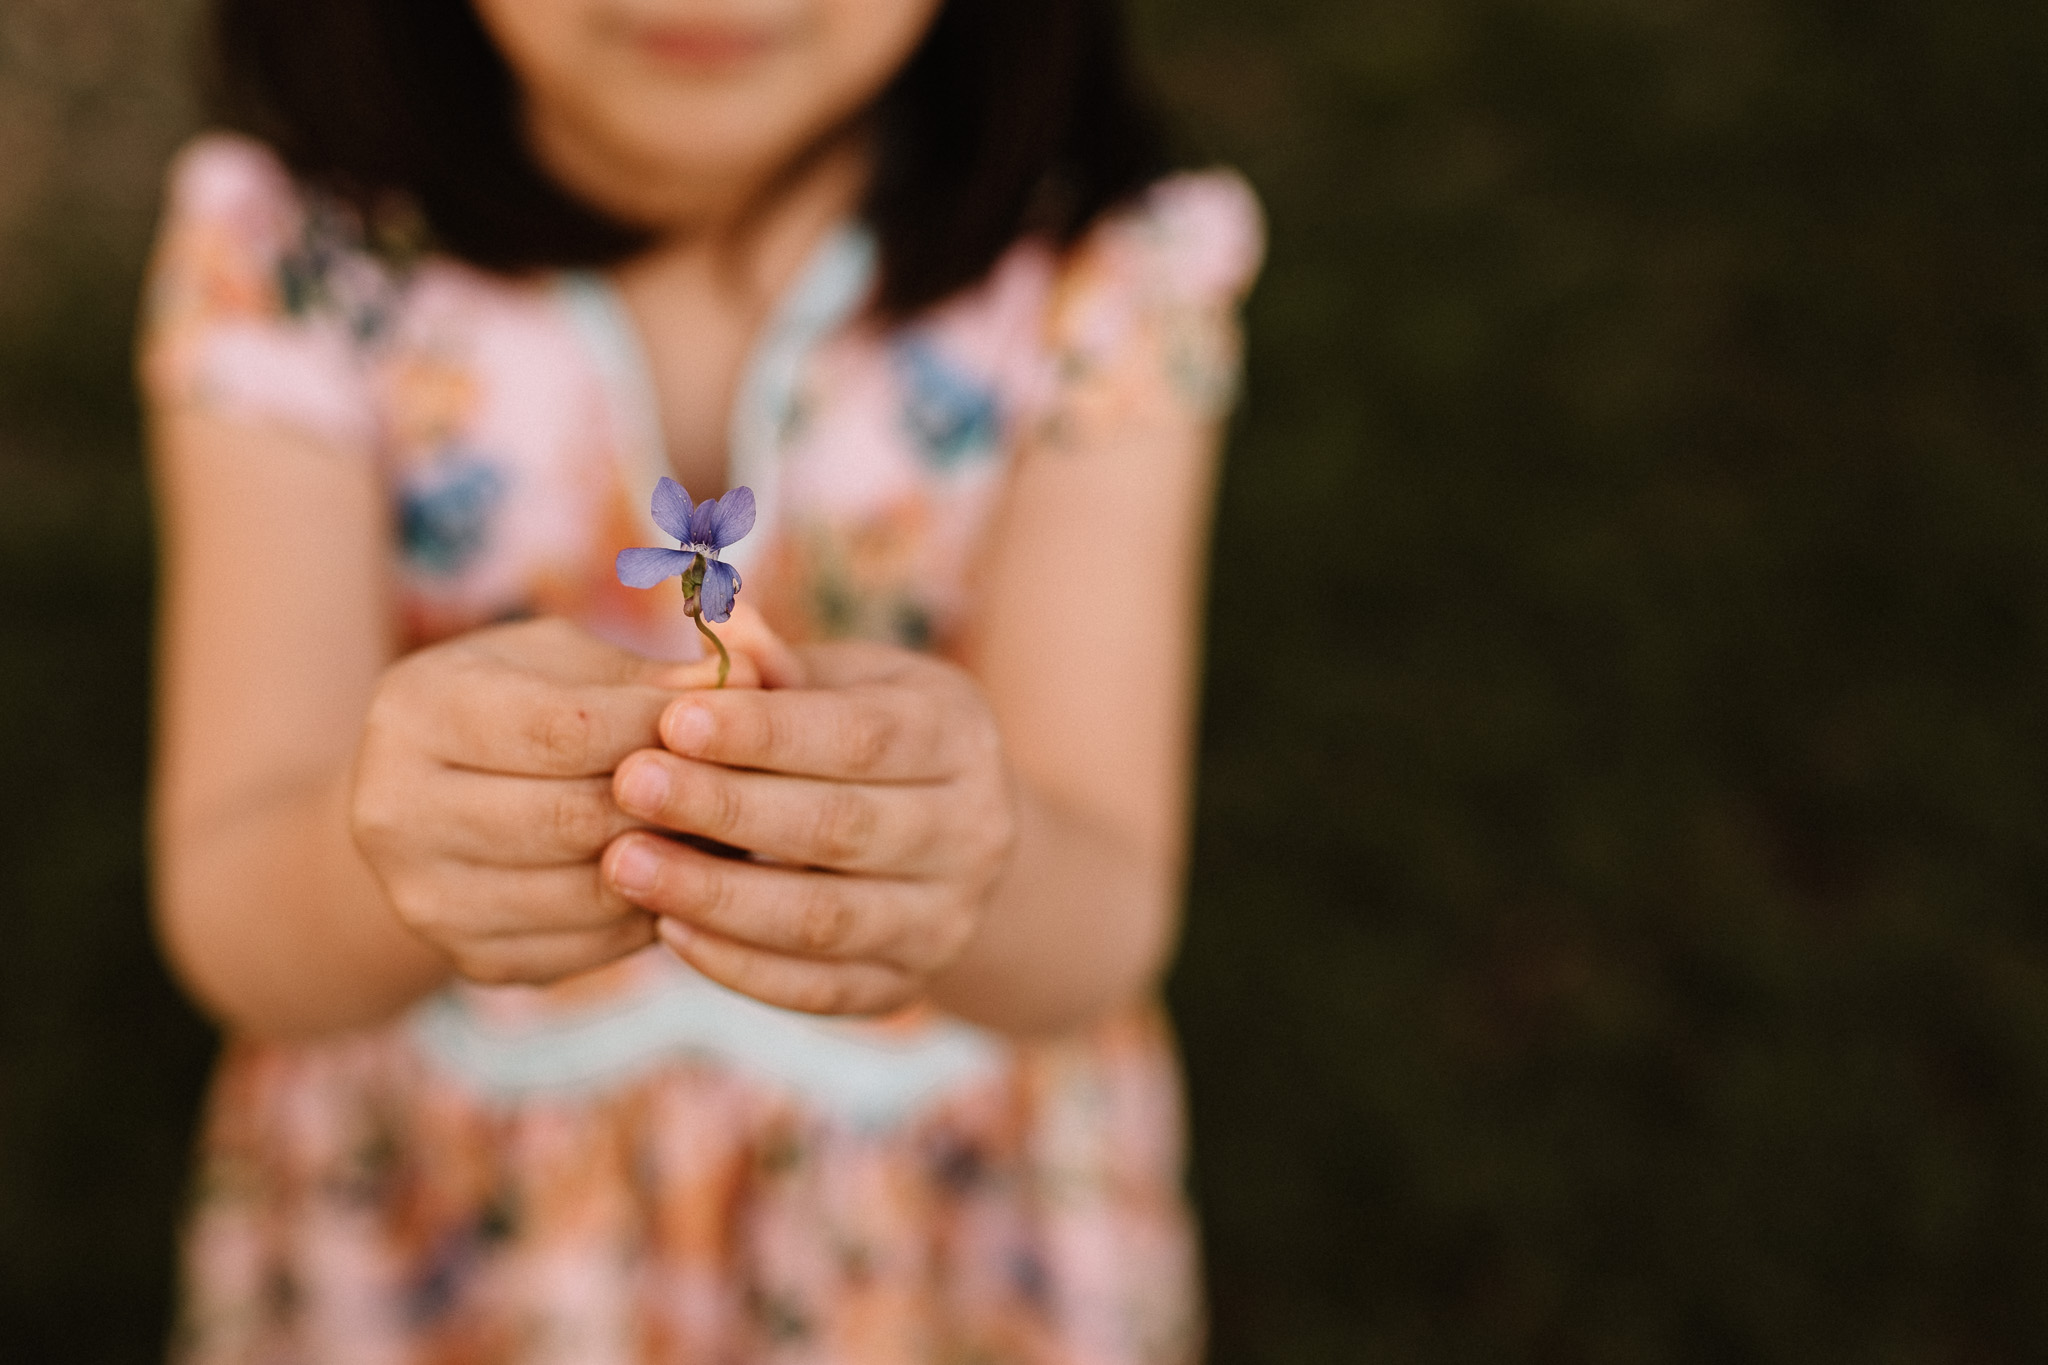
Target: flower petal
702 517
733 517
721 586
644 567
671 508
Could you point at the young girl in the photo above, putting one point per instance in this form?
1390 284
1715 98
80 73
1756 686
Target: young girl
527 1062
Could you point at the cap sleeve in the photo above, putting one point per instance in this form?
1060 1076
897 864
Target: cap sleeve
1148 302
257 304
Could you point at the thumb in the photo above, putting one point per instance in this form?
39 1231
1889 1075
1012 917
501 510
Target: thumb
760 658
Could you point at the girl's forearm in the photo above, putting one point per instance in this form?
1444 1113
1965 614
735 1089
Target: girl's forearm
1082 922
277 926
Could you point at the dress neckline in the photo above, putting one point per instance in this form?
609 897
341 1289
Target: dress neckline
834 282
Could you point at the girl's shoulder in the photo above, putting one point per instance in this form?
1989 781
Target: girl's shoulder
258 296
1147 301
1196 238
1159 277
265 297
239 224
228 177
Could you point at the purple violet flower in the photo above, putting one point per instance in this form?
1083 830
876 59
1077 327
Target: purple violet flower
709 585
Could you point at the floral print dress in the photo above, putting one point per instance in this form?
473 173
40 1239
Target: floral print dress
637 1165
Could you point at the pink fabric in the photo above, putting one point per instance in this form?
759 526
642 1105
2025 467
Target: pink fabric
355 1203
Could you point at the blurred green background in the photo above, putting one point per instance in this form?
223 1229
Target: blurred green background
1618 917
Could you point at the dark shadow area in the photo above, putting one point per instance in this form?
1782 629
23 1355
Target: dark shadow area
100 1061
1616 926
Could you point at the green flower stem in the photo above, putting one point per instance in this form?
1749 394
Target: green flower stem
724 659
693 585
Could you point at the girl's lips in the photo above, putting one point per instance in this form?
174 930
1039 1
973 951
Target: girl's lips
703 47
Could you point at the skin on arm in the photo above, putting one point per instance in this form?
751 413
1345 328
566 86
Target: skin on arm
274 627
336 829
1006 839
1090 659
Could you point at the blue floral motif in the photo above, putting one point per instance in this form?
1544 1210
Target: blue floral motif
327 272
444 514
952 415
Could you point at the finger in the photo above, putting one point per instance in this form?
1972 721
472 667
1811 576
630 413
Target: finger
870 733
463 902
546 698
559 650
749 637
522 822
554 646
792 983
849 663
538 698
760 658
812 822
488 718
784 909
701 674
541 959
562 651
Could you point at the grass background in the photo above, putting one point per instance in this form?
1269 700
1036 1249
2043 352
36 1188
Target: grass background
1617 926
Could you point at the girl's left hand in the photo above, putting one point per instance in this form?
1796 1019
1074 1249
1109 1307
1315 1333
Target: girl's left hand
880 807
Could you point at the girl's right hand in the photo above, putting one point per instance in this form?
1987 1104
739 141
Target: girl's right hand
481 795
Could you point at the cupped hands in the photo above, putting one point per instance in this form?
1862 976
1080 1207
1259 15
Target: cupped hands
877 806
482 789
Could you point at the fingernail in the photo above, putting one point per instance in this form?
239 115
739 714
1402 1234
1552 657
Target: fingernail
643 788
634 867
689 729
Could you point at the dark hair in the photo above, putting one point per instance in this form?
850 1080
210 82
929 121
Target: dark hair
1012 117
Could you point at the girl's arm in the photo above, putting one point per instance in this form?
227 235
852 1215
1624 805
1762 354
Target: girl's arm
273 631
1090 662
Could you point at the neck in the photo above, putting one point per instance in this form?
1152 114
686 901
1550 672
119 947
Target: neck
709 203
758 241
701 294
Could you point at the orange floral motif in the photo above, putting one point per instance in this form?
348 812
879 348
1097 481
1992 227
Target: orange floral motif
428 399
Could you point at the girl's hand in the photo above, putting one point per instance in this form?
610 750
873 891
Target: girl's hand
878 796
481 795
